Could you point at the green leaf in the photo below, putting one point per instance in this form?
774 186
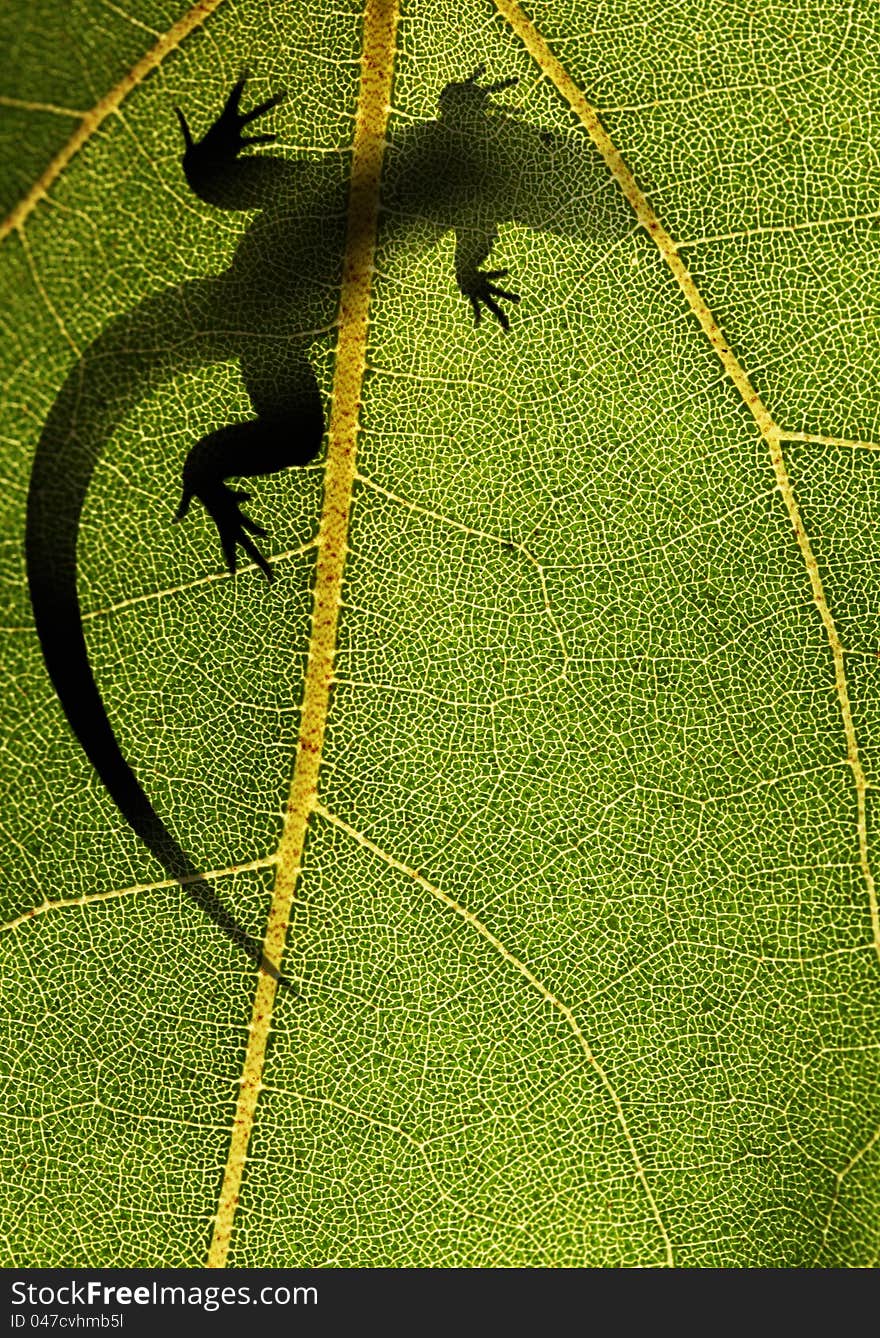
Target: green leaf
584 930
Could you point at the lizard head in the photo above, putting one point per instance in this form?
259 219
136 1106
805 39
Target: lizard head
467 100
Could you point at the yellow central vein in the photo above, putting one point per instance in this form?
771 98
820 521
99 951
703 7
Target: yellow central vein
559 76
547 995
108 105
380 27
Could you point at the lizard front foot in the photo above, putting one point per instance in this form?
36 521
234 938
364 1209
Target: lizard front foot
477 287
223 506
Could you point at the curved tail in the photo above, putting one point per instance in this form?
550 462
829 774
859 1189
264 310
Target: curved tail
154 343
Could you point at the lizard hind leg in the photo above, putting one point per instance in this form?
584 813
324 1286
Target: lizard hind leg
286 432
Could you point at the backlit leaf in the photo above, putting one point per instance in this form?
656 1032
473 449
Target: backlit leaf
585 935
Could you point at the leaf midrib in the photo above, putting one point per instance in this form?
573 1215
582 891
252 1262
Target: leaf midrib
368 149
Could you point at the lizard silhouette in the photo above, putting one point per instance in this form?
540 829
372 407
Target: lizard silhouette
472 168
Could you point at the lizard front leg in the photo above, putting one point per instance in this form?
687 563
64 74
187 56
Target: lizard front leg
287 432
217 168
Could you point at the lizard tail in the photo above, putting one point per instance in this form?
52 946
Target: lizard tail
162 336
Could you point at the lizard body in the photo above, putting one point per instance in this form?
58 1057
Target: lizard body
464 171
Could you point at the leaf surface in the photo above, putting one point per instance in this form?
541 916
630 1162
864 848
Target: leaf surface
580 882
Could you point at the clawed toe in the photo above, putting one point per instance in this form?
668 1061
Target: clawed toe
479 291
224 504
224 140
